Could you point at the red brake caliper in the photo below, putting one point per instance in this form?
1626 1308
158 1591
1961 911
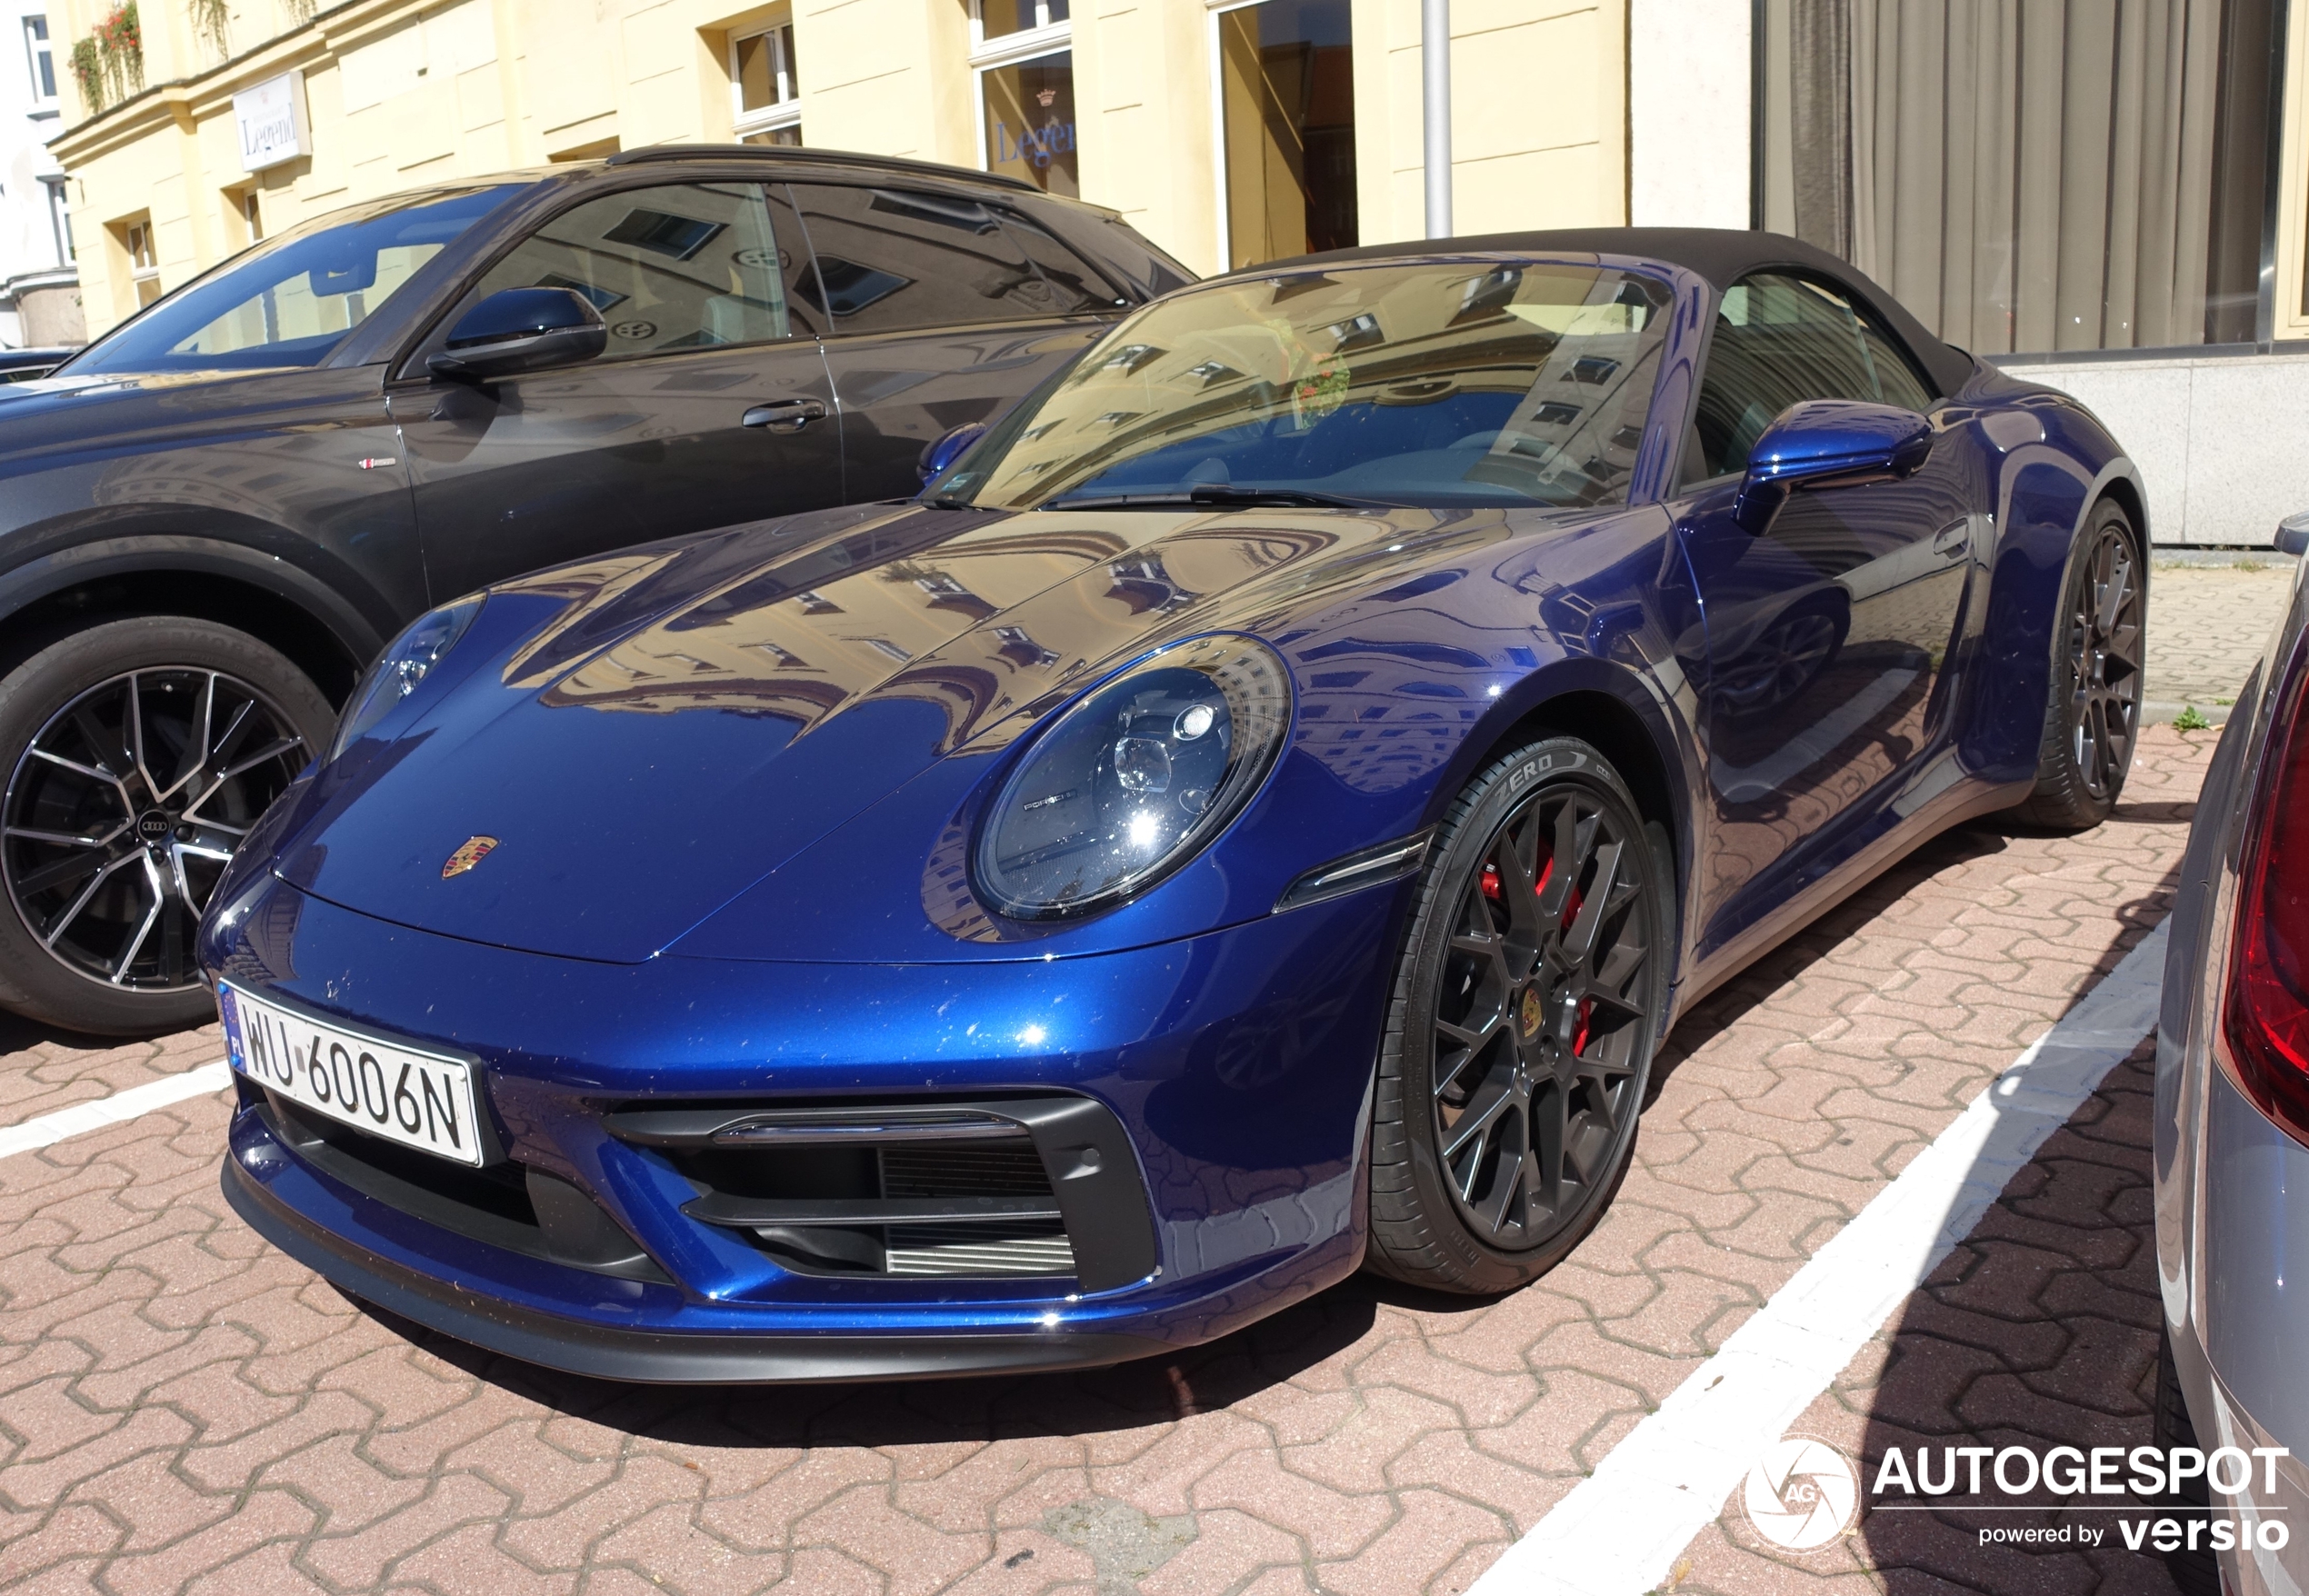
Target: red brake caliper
1579 1037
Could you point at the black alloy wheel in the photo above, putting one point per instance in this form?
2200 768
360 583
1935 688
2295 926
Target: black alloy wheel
125 802
1527 1014
2094 716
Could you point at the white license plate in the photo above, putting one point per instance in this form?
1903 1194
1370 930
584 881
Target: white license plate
419 1100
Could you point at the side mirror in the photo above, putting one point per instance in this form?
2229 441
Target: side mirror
517 330
939 455
2293 534
1828 444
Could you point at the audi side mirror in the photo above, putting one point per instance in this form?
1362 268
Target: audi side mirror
1828 444
939 455
517 330
2293 534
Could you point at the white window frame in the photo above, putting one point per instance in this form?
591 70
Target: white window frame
783 112
139 272
60 221
1044 38
34 49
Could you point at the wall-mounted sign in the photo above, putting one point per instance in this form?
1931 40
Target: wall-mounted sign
271 118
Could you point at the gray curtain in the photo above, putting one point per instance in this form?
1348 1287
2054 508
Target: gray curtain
2025 174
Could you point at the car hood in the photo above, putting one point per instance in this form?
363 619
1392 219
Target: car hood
69 414
643 737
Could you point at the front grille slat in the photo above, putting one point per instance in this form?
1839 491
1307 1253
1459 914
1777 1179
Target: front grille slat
903 1197
968 1250
946 1186
963 1172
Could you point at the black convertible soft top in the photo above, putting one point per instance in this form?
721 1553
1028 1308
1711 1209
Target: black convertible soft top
1720 254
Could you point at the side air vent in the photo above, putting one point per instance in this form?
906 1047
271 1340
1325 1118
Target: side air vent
1018 1187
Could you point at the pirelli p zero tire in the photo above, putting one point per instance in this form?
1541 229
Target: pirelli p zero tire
2092 711
134 756
1526 1011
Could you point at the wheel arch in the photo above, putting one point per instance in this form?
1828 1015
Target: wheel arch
1640 746
320 632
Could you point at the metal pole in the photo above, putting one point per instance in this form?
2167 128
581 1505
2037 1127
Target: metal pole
1435 54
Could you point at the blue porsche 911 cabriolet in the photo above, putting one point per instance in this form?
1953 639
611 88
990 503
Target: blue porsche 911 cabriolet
1254 816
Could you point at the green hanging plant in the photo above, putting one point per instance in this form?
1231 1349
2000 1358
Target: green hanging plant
88 71
120 45
212 21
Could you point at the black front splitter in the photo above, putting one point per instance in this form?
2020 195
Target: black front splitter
657 1357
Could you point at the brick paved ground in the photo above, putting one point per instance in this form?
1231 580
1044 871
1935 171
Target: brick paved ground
181 1408
2207 625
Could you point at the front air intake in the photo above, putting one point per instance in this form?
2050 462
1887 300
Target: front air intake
1044 1187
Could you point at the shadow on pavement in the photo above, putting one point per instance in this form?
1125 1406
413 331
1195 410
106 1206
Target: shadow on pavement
944 1411
2039 1330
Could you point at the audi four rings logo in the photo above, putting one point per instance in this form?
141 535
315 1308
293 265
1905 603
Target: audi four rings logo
470 852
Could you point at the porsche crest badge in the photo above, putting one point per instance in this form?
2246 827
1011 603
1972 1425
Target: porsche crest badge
1533 1016
470 852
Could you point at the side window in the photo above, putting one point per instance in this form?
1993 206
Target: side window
1778 340
1077 285
891 260
691 266
1896 379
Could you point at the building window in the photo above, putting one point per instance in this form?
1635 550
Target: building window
40 59
765 86
1286 73
1025 66
998 19
143 259
60 221
2025 178
248 211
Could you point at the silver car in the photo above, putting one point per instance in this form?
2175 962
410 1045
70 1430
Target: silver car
2231 1134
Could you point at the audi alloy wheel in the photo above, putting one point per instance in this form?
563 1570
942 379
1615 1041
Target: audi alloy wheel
124 803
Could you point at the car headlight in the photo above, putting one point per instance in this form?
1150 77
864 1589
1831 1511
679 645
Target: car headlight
402 665
1133 781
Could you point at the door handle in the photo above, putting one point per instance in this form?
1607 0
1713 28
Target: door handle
784 415
1953 537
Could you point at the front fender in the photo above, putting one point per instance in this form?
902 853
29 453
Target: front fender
354 612
2048 477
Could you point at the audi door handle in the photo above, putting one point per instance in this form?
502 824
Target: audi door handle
784 415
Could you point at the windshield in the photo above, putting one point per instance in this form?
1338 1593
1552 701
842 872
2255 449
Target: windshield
291 300
1428 384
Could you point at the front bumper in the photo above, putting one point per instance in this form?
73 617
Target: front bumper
1234 1069
585 1346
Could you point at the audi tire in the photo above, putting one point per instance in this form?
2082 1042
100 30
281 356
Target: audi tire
134 754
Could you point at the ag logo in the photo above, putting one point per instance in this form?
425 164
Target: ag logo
1801 1493
470 852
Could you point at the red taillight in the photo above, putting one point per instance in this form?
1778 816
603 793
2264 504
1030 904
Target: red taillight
2266 1020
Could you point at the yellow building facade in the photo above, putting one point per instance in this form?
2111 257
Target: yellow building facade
1227 132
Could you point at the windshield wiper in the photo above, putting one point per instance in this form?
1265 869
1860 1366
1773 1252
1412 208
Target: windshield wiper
1211 495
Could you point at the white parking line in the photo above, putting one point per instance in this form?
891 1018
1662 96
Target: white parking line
82 1117
1619 1532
